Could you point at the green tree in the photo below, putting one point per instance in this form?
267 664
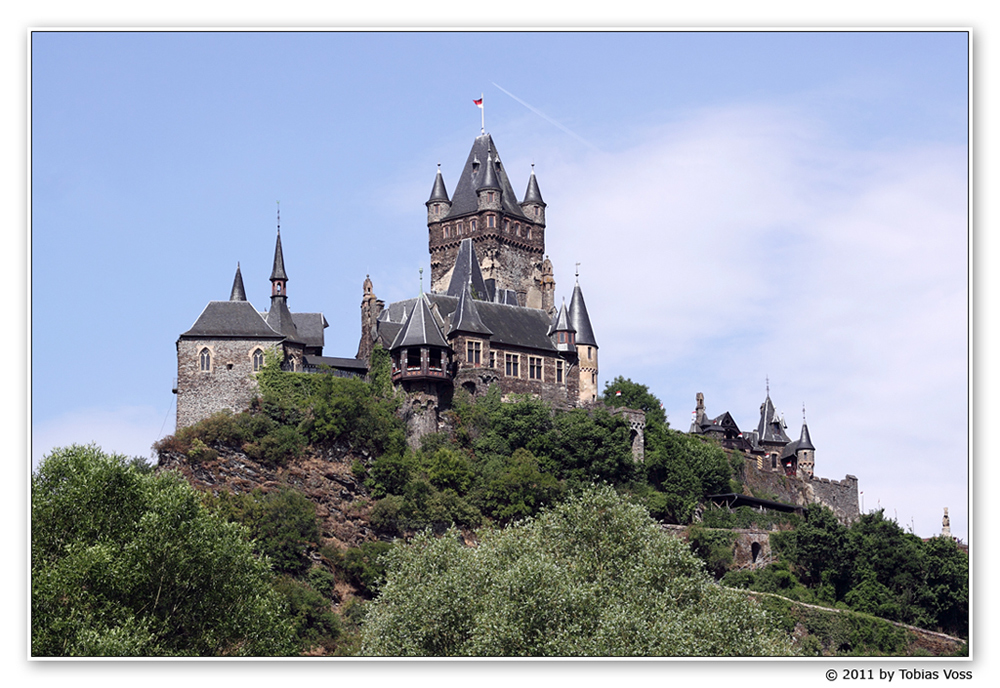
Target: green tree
126 562
623 392
593 576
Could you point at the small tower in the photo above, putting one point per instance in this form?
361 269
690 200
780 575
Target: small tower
699 413
438 204
489 190
946 525
562 331
371 308
805 452
533 205
279 317
586 344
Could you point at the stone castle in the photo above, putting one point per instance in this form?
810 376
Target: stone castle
489 318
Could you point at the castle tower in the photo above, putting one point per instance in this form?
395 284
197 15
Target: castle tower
586 345
805 452
510 243
279 317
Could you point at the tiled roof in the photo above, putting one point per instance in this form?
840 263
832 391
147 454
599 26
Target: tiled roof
231 319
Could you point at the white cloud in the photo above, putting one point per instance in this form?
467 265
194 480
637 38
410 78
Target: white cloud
129 430
748 243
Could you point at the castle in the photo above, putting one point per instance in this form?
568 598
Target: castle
488 319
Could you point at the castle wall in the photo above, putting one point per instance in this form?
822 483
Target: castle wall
841 496
230 384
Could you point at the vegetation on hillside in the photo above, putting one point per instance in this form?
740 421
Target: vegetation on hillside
515 472
592 576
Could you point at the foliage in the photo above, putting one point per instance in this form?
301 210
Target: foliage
520 489
635 396
365 567
747 517
125 562
683 469
714 547
593 576
312 620
282 523
380 372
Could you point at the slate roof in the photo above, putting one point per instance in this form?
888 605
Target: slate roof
336 362
770 429
805 442
280 319
310 327
420 328
467 272
466 317
579 318
511 325
560 323
278 271
238 293
532 194
231 319
465 201
438 191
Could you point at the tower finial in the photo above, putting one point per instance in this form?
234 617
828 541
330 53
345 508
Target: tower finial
577 273
421 280
767 385
279 216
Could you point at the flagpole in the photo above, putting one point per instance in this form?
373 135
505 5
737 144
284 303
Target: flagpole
482 112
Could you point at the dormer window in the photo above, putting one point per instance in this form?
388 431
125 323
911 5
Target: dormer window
489 196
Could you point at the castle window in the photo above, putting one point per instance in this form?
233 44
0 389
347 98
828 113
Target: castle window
206 361
489 196
434 360
258 360
590 352
511 365
472 225
534 368
490 222
493 359
562 337
559 371
593 378
461 229
472 353
529 232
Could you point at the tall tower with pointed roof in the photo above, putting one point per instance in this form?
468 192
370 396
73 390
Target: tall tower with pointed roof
509 234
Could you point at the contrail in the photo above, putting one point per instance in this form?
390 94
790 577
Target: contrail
547 118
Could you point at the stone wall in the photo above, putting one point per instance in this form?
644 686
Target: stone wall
229 384
841 496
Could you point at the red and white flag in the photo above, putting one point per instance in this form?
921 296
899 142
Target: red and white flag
479 103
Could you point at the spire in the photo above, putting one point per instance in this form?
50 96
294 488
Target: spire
278 271
805 442
466 316
465 199
439 193
579 318
532 194
238 293
561 323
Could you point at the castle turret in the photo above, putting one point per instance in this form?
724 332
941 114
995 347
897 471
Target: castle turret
489 191
562 331
805 452
548 286
279 317
371 308
533 205
586 344
438 204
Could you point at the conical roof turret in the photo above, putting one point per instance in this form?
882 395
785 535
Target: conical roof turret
532 194
580 319
805 442
561 323
278 271
420 328
238 293
489 177
439 194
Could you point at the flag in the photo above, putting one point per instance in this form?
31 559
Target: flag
618 393
479 103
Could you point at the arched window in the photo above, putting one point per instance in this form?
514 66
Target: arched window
258 360
206 360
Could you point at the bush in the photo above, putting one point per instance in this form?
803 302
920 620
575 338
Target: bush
593 576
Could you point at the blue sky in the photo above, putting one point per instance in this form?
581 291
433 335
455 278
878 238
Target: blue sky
790 207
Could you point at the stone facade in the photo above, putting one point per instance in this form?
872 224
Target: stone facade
229 383
841 496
